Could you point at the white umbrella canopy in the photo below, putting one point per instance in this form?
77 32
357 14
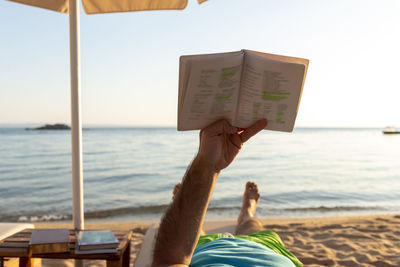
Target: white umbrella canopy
71 7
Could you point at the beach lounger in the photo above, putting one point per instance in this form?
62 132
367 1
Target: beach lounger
145 256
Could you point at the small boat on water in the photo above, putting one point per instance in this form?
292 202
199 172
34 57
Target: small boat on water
391 130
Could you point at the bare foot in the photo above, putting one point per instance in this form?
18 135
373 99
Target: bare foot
177 187
250 202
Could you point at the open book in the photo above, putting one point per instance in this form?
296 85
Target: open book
241 87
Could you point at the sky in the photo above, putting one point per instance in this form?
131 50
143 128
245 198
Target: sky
130 61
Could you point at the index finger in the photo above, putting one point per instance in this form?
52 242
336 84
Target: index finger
253 130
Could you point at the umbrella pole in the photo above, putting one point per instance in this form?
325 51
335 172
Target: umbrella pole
76 124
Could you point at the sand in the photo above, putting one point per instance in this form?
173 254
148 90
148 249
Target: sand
342 241
337 241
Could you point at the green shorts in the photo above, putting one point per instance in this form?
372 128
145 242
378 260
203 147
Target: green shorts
267 238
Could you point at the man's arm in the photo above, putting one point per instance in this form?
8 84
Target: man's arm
180 228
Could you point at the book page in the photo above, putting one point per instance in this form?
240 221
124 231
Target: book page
270 89
184 71
211 92
287 59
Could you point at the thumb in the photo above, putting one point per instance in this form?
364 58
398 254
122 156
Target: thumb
253 130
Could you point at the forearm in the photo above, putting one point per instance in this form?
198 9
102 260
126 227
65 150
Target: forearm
180 228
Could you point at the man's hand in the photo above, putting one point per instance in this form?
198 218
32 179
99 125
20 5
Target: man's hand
220 142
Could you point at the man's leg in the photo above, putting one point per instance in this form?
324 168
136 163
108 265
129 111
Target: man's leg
247 223
177 187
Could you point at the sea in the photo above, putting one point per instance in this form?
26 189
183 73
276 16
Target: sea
129 173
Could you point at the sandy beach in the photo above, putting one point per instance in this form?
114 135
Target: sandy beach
337 241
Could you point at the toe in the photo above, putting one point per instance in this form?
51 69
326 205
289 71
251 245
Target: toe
248 184
252 186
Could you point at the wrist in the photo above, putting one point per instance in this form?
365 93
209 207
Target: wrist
204 165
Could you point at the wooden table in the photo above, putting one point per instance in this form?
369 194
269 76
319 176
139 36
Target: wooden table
16 246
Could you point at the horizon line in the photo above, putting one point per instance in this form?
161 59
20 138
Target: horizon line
96 125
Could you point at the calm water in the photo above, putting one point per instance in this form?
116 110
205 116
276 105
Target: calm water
129 173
